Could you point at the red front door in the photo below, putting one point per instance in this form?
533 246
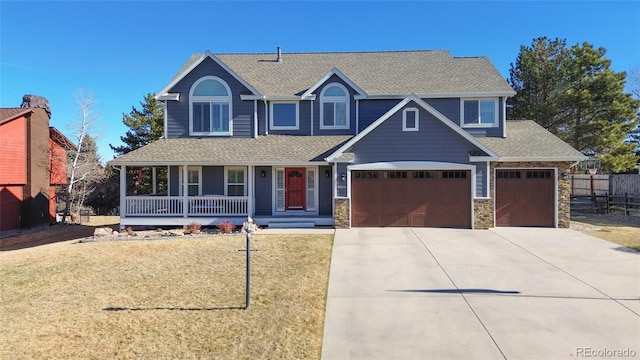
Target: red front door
294 189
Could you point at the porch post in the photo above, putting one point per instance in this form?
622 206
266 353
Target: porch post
185 191
123 191
250 190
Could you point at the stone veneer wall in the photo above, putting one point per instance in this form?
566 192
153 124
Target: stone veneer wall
341 214
564 186
482 213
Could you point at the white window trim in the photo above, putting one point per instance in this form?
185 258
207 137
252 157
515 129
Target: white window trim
226 179
416 119
210 99
324 99
496 118
181 180
274 127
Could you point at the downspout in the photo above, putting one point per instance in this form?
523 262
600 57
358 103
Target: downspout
266 119
166 126
357 117
255 118
504 117
311 117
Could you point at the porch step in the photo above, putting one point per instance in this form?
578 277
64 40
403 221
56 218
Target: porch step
290 224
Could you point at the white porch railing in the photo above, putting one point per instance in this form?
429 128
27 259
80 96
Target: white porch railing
212 205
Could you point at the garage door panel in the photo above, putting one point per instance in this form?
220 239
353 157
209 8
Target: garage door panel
408 198
525 198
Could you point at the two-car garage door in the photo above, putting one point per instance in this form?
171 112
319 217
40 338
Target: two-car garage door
429 198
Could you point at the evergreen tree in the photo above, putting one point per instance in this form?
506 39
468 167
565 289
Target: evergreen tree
574 93
145 125
539 81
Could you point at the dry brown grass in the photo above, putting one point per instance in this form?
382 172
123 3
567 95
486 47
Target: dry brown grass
625 234
155 299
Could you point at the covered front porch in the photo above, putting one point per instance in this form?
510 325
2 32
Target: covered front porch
159 195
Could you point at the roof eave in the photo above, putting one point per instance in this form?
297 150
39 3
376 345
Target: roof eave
117 162
542 158
168 96
327 76
204 56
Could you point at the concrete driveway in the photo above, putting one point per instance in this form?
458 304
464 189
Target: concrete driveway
505 293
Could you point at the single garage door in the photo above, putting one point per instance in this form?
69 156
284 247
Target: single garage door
525 198
411 198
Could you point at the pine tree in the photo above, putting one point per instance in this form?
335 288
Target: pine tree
574 93
145 125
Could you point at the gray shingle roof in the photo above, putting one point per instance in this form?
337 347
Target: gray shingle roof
267 149
376 73
525 141
528 140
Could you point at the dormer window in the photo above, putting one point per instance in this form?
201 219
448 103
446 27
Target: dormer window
210 107
334 107
479 112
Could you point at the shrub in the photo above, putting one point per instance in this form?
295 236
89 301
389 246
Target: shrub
194 227
226 227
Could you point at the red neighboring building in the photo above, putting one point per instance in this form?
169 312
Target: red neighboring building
33 162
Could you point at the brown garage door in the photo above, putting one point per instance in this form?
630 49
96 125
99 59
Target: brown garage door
525 197
411 198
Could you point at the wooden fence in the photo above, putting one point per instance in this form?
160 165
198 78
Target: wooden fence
615 184
606 193
587 185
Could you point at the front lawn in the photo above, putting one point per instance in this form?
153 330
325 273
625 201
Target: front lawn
619 230
178 298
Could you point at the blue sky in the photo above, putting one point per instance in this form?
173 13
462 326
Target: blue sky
122 50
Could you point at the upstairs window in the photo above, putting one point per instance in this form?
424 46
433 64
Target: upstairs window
210 107
334 107
479 112
284 116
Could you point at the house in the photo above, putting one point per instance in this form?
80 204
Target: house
33 162
398 138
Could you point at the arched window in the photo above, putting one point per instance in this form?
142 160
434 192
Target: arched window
334 107
210 107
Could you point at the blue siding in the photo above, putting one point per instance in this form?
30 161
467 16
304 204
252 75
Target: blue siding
449 107
263 191
325 195
212 180
372 110
178 111
434 142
